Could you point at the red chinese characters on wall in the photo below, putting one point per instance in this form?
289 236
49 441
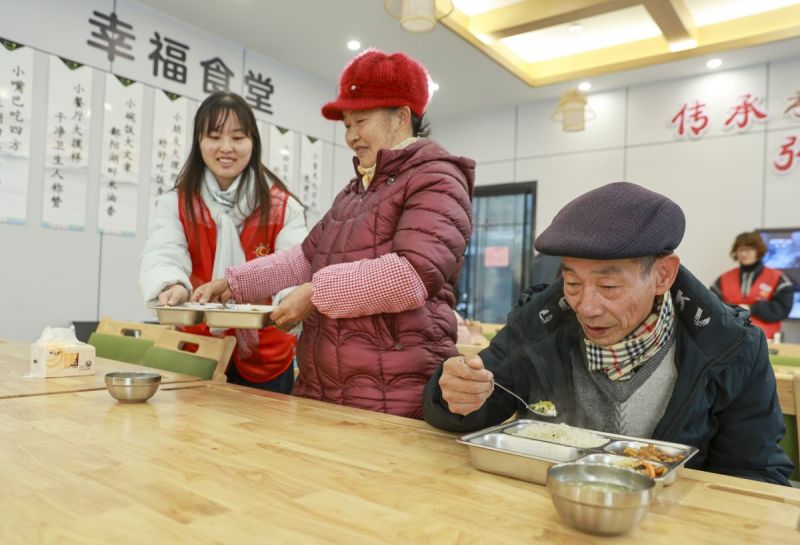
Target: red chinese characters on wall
788 155
793 107
745 112
691 119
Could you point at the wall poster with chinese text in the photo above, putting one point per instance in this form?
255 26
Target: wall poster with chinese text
118 198
171 125
66 171
310 172
282 156
16 82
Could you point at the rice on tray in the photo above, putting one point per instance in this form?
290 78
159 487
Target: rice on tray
563 434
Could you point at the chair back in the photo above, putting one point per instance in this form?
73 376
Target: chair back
188 354
137 330
116 347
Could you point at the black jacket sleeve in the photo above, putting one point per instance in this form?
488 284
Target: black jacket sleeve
749 422
716 290
779 306
498 408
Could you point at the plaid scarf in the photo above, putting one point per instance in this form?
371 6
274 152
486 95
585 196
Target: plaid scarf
619 361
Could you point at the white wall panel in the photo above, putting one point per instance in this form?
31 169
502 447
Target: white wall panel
717 183
539 135
60 28
784 91
484 137
501 172
782 190
561 178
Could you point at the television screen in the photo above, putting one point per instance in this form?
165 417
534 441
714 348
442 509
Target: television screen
783 252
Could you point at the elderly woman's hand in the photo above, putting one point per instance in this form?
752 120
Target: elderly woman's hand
294 308
466 384
214 291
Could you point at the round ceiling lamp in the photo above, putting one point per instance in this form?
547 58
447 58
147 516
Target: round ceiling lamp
572 111
417 15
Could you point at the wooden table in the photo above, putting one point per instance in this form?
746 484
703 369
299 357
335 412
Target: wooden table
786 349
15 365
223 464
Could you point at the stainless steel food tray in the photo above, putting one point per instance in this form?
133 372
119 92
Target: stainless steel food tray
216 315
185 314
240 316
498 450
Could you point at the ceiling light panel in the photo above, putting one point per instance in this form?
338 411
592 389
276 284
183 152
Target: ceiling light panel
477 7
615 28
708 12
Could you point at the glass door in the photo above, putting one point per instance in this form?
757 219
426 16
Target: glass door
497 263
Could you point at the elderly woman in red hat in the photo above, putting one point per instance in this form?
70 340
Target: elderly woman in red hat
376 274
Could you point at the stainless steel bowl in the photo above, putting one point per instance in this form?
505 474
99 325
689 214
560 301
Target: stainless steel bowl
132 387
599 499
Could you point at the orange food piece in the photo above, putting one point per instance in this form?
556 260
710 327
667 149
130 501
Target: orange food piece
652 453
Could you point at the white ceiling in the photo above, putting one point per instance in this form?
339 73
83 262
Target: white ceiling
311 36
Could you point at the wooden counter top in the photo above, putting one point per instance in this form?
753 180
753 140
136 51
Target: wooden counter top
223 464
15 366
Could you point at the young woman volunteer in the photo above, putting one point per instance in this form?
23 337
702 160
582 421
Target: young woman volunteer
226 209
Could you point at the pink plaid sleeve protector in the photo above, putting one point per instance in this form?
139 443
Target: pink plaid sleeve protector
264 277
387 284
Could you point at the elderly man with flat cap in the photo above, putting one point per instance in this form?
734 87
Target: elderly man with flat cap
627 342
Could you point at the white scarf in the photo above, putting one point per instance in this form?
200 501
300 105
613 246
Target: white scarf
229 215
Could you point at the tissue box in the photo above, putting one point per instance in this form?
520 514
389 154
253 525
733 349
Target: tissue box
58 359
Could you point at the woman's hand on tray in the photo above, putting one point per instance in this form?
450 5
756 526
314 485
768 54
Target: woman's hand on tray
465 384
217 290
294 308
175 294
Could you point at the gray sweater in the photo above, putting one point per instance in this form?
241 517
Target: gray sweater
632 407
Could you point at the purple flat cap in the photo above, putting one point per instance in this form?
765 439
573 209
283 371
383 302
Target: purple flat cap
616 221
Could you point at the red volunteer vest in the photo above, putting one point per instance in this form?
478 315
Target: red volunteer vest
762 290
275 350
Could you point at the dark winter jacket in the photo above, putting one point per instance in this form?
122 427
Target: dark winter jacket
724 401
418 206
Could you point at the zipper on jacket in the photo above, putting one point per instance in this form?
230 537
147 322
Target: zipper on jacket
696 385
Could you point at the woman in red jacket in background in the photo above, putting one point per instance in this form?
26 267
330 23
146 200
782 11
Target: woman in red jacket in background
378 270
767 292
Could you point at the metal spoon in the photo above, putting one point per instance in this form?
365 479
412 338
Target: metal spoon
529 406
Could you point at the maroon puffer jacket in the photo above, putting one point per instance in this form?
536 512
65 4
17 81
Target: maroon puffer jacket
418 206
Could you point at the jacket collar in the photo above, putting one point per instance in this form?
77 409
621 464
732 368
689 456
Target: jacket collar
391 163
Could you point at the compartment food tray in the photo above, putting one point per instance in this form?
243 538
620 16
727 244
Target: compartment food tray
240 316
499 450
216 315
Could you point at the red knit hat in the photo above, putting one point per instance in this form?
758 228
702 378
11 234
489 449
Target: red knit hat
374 79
